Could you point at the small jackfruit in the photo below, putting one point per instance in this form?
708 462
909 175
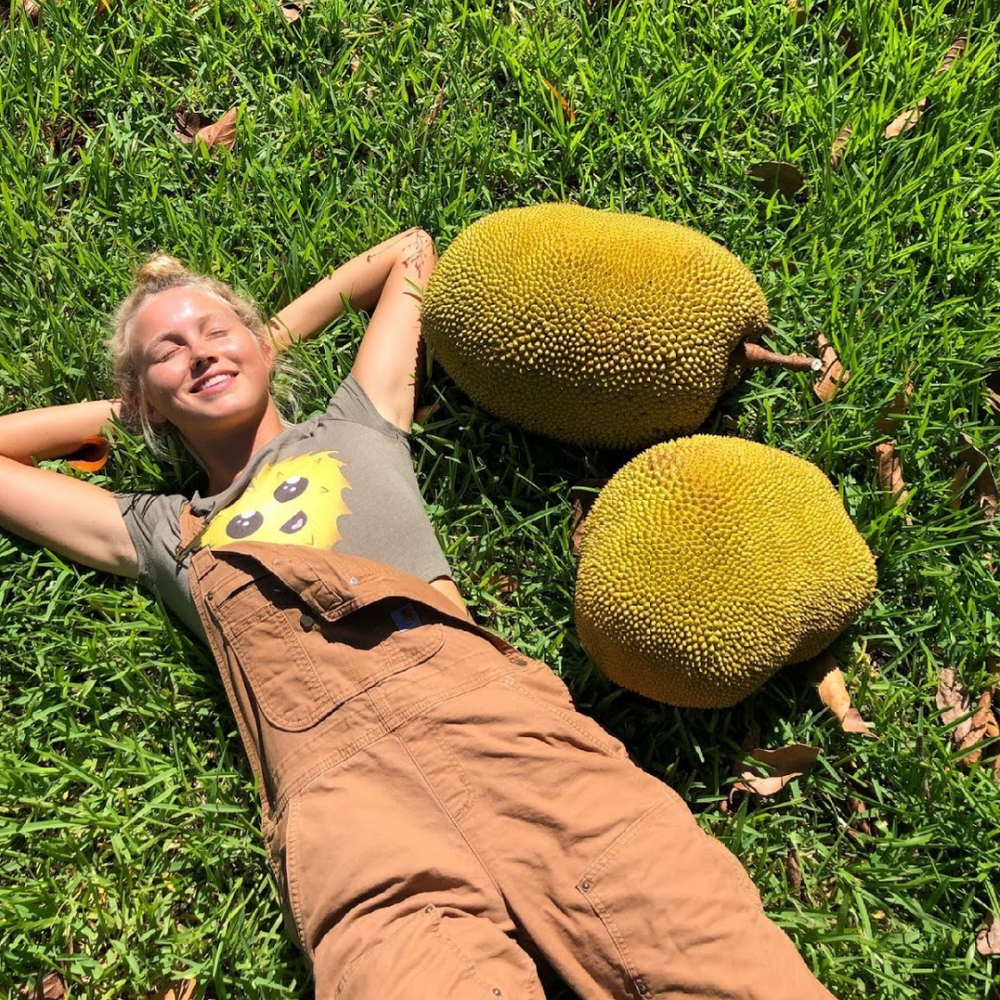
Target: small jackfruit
595 328
708 563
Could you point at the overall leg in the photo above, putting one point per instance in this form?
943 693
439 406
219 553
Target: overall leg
602 864
387 898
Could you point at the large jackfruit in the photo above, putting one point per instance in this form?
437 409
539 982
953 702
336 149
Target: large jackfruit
708 563
591 327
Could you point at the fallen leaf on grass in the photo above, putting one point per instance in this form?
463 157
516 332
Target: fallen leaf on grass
52 987
424 413
839 145
194 127
907 120
988 937
957 48
294 9
794 870
179 989
832 689
859 823
582 495
955 705
993 390
777 176
975 467
91 456
798 9
501 585
890 473
833 374
778 766
885 424
846 41
567 108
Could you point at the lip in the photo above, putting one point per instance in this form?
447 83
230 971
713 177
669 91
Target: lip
196 386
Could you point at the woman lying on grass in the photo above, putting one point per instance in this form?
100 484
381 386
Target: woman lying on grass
441 822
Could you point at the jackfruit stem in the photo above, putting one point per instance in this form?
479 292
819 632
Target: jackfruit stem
754 356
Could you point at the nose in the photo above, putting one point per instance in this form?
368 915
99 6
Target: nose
202 358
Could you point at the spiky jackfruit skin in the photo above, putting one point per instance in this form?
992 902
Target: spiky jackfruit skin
595 328
708 563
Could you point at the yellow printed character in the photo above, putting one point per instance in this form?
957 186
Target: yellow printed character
296 500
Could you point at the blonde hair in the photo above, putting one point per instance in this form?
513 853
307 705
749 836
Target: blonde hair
157 274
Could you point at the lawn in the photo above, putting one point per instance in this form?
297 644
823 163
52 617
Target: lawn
129 853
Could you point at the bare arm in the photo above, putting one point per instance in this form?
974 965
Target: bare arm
74 518
389 278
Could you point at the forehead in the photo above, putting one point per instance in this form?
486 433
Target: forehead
175 310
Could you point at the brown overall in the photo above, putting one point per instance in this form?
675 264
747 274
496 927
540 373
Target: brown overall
438 815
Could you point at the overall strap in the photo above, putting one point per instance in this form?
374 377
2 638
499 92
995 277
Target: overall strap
202 563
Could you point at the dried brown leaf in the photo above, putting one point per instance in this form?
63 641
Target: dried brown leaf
975 466
794 869
798 9
898 406
31 9
187 124
424 413
832 689
778 768
957 48
858 820
221 133
890 471
983 725
839 145
582 496
993 390
988 937
833 374
566 106
178 989
51 987
777 176
952 701
907 120
846 41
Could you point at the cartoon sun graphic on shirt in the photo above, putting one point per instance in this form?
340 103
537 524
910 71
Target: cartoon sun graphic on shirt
296 501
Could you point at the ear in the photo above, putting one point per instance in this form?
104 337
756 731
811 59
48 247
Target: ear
153 417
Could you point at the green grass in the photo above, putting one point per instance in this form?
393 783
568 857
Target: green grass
128 844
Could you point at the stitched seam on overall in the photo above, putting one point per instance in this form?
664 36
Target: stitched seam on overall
327 762
565 715
449 756
602 909
292 879
322 702
451 819
394 718
464 959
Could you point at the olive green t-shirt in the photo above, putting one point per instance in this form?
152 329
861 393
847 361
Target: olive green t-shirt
342 480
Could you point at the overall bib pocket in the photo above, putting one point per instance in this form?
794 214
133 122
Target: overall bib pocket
299 665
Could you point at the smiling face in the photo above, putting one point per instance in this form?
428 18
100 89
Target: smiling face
199 367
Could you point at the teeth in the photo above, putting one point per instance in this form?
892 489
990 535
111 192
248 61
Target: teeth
214 380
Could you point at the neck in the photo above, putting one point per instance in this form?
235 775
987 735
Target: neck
226 455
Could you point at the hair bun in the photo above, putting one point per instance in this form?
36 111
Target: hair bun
159 266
